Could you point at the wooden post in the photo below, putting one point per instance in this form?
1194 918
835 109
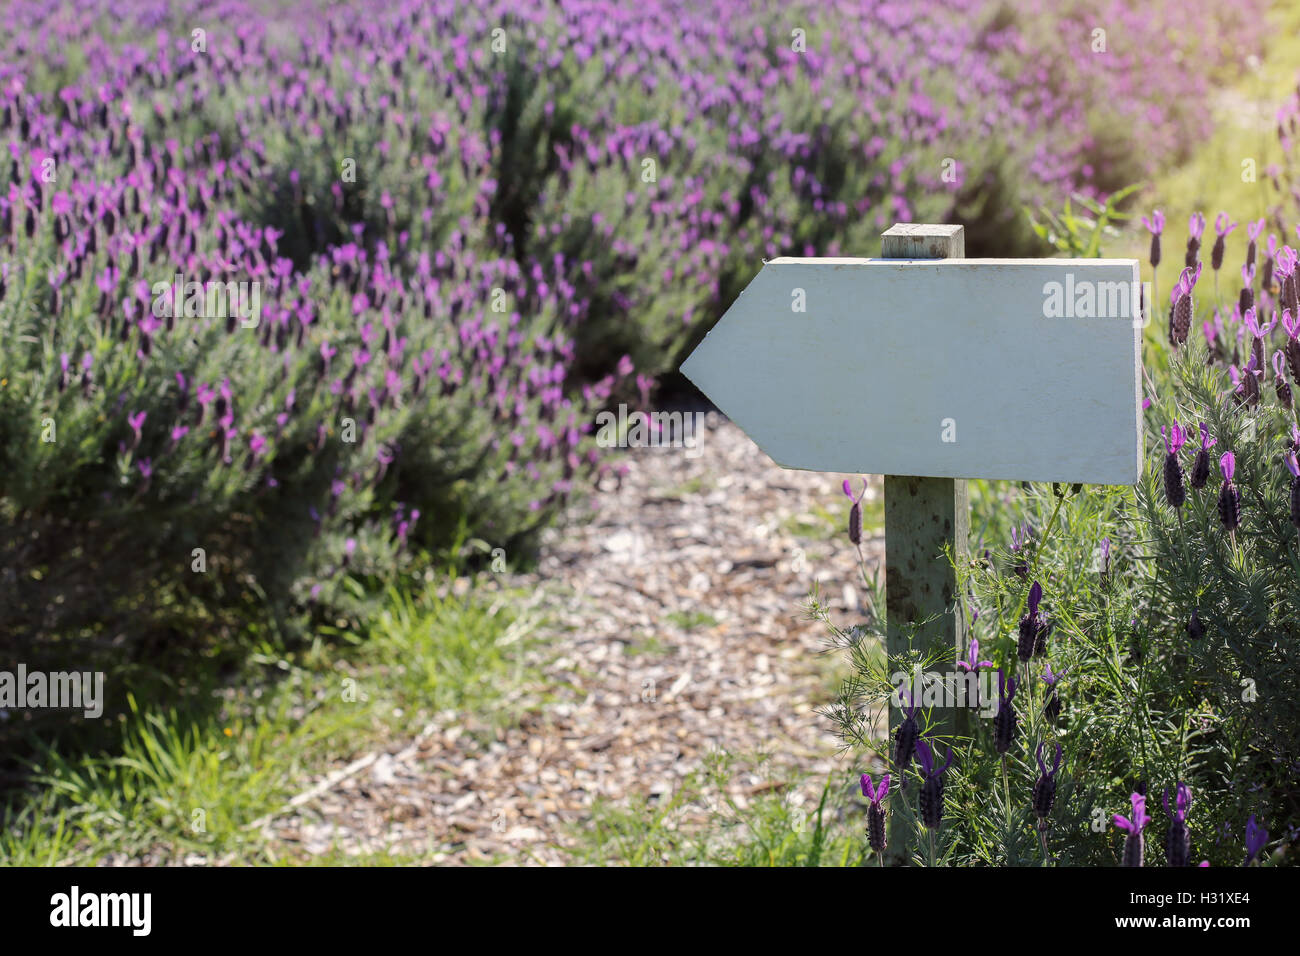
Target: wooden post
923 516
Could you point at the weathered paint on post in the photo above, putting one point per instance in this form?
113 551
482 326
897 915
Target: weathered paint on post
923 517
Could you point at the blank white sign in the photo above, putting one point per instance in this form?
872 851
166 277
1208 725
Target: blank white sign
1022 369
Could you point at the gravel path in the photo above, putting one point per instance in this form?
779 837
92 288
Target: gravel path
670 625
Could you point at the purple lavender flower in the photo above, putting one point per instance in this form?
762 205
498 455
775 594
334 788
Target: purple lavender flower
1052 709
136 421
1222 227
1292 347
1174 440
1280 384
1020 539
1004 721
1133 842
1033 627
1195 229
1044 792
1253 230
1294 467
1289 280
931 800
1178 841
1256 840
905 737
855 512
1155 225
1229 494
1201 467
1245 383
1183 305
972 665
875 812
1247 298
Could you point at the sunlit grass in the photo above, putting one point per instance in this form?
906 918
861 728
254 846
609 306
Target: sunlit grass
187 783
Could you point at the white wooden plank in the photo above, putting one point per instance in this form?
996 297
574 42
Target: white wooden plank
893 356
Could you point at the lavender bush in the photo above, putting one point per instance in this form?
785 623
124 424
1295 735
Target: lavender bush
1170 677
468 226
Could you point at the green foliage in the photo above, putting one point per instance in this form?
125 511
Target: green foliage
704 823
238 748
1080 234
1148 699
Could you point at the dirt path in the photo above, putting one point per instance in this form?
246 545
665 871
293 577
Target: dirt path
671 626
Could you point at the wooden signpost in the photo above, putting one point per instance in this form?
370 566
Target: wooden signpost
929 368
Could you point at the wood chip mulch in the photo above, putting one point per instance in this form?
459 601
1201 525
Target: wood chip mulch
669 624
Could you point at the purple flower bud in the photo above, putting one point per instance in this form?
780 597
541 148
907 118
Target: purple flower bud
931 800
875 812
1195 229
1175 494
1229 495
1044 792
136 421
1221 228
1178 841
1280 384
1033 627
1004 721
855 510
1133 842
905 737
1294 467
1256 840
1155 225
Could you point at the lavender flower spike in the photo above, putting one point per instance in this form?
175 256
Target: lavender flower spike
1195 229
1178 841
1155 225
855 512
1201 467
875 812
1044 793
1280 384
1033 627
1294 467
1133 842
1180 316
1229 494
1004 721
1222 227
1175 493
971 666
1256 840
905 737
1052 709
931 801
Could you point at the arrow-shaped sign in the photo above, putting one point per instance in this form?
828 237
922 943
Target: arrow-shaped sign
1024 369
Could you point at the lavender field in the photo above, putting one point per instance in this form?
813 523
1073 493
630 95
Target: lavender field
308 311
